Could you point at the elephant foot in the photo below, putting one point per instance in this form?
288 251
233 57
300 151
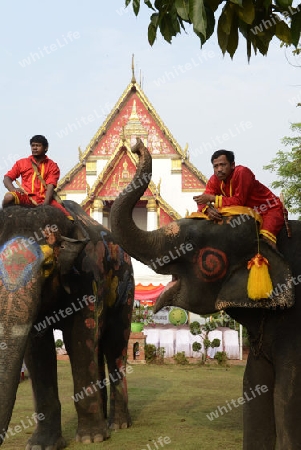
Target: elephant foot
120 422
117 426
40 443
93 437
88 432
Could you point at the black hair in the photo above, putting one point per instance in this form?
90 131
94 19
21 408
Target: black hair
40 140
228 154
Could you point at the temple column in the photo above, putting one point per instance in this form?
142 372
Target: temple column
152 219
97 211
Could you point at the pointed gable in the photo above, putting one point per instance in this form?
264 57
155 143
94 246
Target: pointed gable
134 119
190 181
78 181
114 180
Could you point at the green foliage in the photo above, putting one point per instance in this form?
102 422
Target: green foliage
221 358
150 352
196 346
197 329
154 354
287 166
142 314
59 343
255 21
180 358
215 343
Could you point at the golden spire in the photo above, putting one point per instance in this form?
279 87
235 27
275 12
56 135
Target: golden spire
133 71
186 152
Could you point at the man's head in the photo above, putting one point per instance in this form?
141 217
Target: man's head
39 145
39 139
223 163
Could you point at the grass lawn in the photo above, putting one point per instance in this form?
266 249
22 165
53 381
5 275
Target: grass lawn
168 401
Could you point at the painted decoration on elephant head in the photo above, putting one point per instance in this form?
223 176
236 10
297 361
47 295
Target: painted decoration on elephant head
18 261
211 265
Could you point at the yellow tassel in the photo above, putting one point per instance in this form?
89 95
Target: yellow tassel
259 281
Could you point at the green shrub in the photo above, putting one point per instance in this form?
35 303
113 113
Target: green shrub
154 354
150 352
59 343
221 358
180 358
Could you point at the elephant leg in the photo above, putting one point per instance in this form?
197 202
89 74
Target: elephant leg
115 343
287 397
40 359
81 340
258 413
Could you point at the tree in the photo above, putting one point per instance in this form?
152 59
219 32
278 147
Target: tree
203 331
257 21
287 166
59 343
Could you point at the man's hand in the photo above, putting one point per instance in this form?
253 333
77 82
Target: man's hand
204 198
213 214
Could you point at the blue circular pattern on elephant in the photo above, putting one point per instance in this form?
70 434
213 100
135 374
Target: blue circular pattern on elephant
18 262
212 264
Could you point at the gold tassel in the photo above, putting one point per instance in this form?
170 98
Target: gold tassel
259 281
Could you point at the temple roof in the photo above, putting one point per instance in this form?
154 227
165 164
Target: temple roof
133 116
109 158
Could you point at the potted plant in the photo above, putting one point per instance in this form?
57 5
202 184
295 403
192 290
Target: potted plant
141 316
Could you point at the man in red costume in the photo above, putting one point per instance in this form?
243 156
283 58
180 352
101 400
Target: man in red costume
39 177
236 185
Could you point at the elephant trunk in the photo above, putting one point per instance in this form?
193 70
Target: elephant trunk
17 312
144 246
11 357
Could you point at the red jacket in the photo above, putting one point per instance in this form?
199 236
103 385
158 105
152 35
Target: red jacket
48 169
242 189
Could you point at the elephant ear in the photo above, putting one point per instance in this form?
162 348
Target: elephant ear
282 295
69 249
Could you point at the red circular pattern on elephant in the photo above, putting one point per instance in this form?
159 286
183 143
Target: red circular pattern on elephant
212 264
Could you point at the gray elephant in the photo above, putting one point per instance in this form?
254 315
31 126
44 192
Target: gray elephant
71 276
209 262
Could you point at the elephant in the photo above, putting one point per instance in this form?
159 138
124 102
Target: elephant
208 262
56 273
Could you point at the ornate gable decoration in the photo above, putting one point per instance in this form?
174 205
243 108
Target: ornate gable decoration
113 180
134 119
190 180
78 181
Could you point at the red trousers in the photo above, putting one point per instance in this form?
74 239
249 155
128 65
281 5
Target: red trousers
24 199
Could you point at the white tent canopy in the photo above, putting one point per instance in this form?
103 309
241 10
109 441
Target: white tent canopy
145 275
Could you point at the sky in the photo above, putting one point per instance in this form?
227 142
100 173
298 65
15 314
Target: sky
68 62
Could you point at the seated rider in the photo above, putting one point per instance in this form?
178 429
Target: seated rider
39 177
236 185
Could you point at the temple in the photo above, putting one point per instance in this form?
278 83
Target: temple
108 165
